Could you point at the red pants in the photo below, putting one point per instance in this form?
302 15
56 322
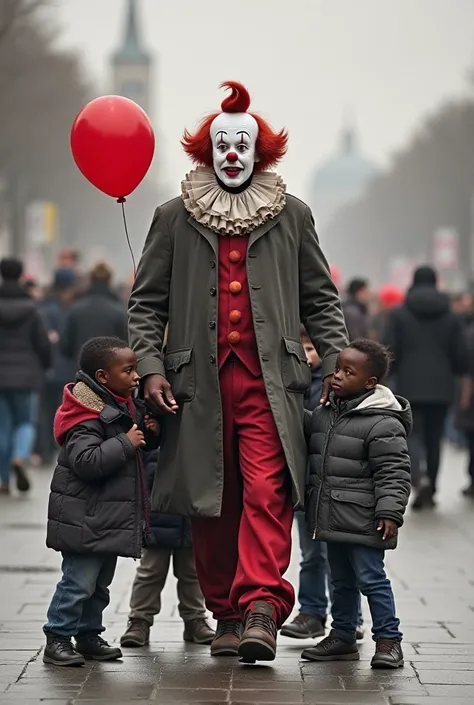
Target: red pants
242 556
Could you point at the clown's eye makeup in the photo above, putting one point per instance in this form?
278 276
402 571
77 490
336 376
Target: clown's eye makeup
222 147
242 148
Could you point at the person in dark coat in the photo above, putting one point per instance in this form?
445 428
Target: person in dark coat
97 313
55 309
25 355
172 540
358 491
430 355
97 507
355 308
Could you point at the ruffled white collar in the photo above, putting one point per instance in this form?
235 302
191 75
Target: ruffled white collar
232 213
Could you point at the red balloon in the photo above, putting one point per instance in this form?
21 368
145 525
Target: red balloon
113 143
391 296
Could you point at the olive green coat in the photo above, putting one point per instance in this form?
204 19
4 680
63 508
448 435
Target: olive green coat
176 284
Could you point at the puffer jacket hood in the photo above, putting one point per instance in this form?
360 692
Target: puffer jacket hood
383 399
425 301
359 467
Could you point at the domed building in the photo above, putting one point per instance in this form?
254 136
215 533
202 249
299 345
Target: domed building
342 178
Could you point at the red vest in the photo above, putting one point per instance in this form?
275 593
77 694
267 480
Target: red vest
235 323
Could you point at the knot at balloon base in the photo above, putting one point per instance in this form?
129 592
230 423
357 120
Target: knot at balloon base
122 199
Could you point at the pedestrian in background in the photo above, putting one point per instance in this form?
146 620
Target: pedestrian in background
356 308
430 353
97 313
55 309
25 355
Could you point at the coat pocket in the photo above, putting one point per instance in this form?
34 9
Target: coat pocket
295 371
179 366
352 511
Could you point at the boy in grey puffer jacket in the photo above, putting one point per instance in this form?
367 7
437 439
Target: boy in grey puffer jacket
358 491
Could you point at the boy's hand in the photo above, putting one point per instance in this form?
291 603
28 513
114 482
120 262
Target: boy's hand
136 436
152 424
388 527
326 389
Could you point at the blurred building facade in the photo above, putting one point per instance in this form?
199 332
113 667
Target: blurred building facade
341 179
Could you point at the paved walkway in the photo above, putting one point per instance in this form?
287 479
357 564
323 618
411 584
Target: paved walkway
433 577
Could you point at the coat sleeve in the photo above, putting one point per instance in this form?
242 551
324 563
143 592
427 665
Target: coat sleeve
149 300
320 306
41 343
390 465
93 458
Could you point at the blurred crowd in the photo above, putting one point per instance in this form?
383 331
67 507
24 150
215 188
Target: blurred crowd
42 329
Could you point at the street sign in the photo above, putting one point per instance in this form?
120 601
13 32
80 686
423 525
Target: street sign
41 223
446 249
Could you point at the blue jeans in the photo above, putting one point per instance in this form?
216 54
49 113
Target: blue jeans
81 595
315 579
314 571
17 428
358 569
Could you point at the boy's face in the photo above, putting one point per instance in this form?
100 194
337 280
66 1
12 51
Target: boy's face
121 376
311 354
352 374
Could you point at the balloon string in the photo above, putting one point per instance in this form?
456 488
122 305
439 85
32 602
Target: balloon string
122 203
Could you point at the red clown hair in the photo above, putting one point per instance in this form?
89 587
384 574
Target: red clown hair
270 147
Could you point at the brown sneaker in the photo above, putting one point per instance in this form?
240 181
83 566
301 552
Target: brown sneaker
137 634
304 626
227 639
388 654
258 641
198 631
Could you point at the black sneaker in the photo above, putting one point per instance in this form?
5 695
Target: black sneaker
59 651
22 481
424 495
332 649
304 626
94 647
388 654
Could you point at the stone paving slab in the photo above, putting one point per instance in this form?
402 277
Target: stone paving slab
433 577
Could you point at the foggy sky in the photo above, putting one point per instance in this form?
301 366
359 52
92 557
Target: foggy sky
307 63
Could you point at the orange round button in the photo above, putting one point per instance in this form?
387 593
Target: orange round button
235 287
235 316
234 337
235 256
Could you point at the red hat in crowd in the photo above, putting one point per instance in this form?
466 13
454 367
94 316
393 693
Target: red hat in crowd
391 296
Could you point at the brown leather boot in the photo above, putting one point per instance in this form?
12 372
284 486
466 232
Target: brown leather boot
198 631
258 641
227 639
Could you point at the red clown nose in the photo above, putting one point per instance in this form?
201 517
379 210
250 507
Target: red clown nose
232 157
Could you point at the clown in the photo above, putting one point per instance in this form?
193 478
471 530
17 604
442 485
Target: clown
232 267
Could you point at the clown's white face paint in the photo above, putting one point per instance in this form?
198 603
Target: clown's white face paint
234 137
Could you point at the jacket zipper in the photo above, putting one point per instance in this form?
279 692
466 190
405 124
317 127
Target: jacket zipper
329 434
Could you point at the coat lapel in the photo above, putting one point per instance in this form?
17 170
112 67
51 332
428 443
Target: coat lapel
210 236
213 238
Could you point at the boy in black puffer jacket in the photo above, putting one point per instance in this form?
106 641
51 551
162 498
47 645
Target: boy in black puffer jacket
97 506
358 491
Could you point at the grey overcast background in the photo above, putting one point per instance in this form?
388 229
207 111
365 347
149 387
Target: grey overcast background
307 63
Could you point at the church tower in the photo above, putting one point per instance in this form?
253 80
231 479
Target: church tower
131 63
